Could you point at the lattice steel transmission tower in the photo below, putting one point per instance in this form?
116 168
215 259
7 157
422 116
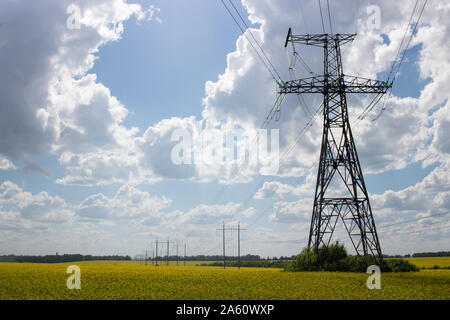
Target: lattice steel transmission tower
339 163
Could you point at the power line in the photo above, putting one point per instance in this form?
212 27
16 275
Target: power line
395 232
370 106
410 38
394 68
286 153
303 16
275 110
297 57
213 248
264 125
300 135
420 218
300 98
279 80
280 241
280 98
256 41
321 16
382 226
329 17
263 213
392 73
419 231
302 132
403 38
356 16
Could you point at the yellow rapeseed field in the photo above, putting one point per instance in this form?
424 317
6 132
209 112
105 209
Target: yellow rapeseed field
430 262
113 280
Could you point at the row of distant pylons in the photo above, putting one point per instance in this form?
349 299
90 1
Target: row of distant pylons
156 259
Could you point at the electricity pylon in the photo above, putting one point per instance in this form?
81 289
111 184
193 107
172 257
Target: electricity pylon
239 229
339 165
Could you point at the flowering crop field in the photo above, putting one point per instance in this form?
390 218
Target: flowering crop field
127 281
430 262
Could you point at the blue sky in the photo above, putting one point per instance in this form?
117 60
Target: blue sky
66 185
148 68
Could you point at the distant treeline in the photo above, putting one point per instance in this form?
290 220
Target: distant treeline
432 254
397 256
421 254
245 260
59 258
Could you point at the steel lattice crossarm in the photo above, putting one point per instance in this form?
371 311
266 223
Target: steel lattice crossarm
319 40
321 84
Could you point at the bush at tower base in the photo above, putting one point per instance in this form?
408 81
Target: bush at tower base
335 258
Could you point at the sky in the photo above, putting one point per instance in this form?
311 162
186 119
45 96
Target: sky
92 94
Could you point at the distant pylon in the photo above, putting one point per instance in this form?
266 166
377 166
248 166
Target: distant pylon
239 229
